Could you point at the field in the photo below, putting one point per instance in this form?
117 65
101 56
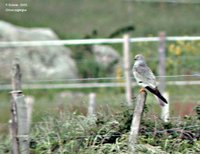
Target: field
59 120
60 123
76 19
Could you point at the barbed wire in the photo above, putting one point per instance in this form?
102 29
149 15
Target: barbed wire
108 135
2 124
85 60
79 83
110 78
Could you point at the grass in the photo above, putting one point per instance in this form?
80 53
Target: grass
75 133
109 99
60 124
66 114
76 19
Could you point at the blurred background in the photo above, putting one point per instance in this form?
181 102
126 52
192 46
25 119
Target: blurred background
50 20
102 63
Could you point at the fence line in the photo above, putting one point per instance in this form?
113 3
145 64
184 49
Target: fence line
153 132
93 41
109 78
89 85
83 60
196 75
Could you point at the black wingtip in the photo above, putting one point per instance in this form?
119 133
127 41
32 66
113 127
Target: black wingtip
157 93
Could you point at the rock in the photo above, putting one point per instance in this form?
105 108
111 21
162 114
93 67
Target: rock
39 62
105 55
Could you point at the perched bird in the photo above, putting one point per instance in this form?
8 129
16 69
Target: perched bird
145 78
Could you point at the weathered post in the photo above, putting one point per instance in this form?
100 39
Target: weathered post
165 109
19 114
162 60
92 105
162 72
127 67
10 129
16 87
29 105
135 125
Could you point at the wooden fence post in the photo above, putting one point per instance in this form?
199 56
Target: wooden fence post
135 125
162 60
162 73
10 129
127 67
92 105
29 105
19 114
16 87
165 109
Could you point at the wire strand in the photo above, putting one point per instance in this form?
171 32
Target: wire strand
102 78
111 78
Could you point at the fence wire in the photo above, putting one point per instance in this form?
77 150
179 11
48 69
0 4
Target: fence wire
196 75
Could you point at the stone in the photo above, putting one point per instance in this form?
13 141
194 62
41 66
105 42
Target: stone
37 62
106 55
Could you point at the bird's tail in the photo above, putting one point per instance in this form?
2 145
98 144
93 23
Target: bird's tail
156 92
162 103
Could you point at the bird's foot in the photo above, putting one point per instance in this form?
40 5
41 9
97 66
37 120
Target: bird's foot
142 90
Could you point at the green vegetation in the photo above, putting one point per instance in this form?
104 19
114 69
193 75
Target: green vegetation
76 19
108 99
183 57
75 133
60 124
93 18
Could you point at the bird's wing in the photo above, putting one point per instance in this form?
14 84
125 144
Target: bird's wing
156 92
144 76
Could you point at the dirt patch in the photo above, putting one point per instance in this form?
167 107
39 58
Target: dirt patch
183 109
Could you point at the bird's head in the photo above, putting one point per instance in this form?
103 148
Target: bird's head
139 57
139 60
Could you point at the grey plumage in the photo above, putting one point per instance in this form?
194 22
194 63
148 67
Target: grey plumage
142 73
145 77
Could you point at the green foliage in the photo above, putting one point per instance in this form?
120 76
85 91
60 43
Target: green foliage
72 133
198 111
78 19
75 19
5 144
86 63
182 57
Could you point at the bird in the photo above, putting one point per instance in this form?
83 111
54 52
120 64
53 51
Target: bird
145 78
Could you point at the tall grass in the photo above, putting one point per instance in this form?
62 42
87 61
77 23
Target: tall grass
76 133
